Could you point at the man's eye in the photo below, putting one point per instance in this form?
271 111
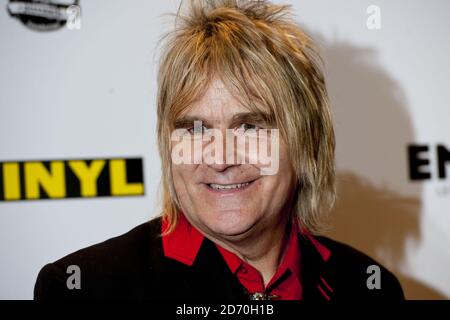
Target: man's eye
248 126
197 130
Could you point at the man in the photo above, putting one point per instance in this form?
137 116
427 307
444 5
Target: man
236 79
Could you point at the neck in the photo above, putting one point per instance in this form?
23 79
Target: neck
263 249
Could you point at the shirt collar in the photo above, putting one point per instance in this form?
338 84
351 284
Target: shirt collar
183 243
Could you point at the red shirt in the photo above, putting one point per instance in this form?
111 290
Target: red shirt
185 241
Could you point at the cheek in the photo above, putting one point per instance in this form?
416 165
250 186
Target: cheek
281 185
179 173
183 180
286 171
277 187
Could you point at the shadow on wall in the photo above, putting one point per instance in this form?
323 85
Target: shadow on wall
379 223
373 128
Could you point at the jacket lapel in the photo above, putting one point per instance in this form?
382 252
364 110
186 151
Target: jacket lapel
212 278
317 280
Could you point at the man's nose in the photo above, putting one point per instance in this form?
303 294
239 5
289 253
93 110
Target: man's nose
220 167
228 158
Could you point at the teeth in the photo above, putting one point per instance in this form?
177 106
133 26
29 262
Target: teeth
228 186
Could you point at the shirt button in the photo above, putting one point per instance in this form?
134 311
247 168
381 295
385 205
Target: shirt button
244 270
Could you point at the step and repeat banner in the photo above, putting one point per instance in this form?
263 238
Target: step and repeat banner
78 156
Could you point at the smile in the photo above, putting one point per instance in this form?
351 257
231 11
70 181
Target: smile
228 186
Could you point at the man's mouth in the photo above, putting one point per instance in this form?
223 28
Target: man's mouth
232 187
228 186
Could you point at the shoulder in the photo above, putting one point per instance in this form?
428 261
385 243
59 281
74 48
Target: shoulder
104 268
358 275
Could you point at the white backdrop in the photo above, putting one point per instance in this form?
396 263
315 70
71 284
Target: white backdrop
90 93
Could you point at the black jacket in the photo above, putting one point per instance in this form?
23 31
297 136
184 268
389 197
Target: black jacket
133 266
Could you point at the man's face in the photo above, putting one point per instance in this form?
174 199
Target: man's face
231 201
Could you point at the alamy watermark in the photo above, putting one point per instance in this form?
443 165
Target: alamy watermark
373 21
73 13
74 280
374 280
252 146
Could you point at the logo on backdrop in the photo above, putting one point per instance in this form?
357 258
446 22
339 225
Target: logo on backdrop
60 179
423 165
46 15
430 163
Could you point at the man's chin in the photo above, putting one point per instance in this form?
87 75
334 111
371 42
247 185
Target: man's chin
235 231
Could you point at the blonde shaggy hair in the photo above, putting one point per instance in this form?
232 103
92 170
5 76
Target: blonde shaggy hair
270 65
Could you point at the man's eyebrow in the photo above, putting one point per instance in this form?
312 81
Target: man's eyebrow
250 117
188 121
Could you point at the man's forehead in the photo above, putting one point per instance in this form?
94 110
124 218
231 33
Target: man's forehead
212 113
218 104
217 92
217 84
